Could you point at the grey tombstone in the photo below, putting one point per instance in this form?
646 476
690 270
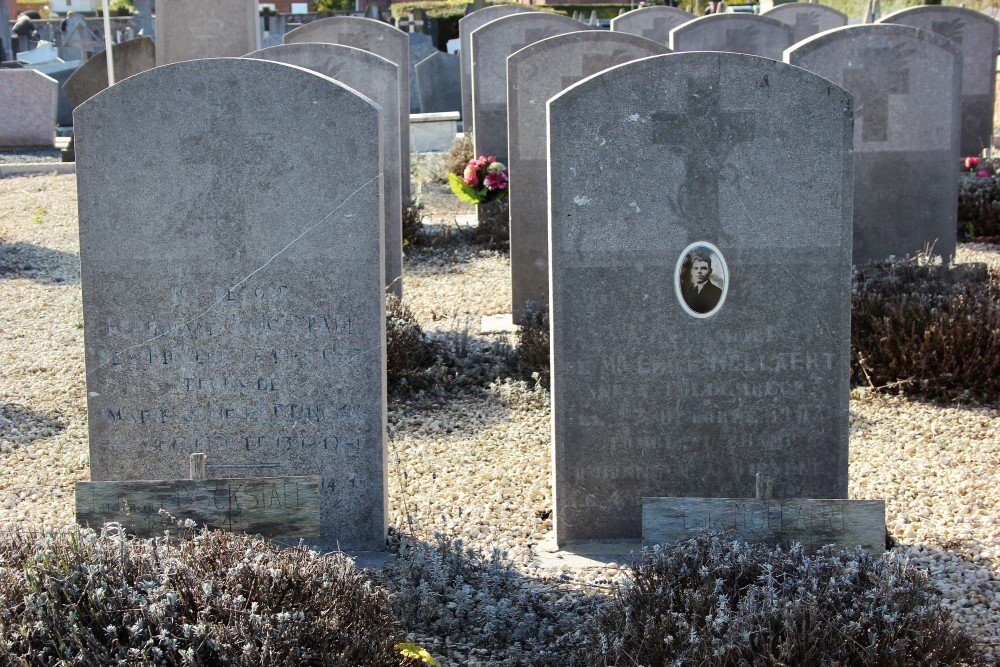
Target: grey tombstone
6 46
439 82
377 79
806 18
131 57
192 29
534 74
977 37
906 83
230 250
421 46
76 39
381 39
61 72
653 23
733 33
143 17
28 108
653 394
466 25
491 44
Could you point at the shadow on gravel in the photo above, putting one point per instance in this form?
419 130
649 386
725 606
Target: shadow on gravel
39 264
20 425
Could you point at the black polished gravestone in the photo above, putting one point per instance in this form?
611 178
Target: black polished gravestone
711 342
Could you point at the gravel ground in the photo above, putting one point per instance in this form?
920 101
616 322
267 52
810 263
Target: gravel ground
476 467
26 157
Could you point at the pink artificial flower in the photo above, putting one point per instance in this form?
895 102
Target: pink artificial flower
496 180
982 173
971 163
470 177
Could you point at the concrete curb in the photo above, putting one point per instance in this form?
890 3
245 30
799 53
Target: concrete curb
23 169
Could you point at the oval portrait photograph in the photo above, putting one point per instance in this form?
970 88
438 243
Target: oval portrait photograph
701 280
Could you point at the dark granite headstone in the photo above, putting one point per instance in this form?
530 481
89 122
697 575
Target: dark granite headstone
664 175
439 82
906 84
806 18
653 23
421 47
230 251
977 38
377 79
534 75
733 33
474 20
131 57
383 40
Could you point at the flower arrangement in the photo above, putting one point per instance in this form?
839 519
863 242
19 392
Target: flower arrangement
484 180
974 166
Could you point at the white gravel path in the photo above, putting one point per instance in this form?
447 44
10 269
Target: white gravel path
476 468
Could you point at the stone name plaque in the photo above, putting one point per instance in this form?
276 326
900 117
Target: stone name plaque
268 506
810 522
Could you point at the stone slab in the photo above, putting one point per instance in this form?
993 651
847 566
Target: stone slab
491 44
535 74
500 323
377 79
28 106
977 37
192 29
231 266
439 83
811 522
131 57
733 33
906 83
421 47
383 40
466 25
656 390
61 72
653 23
433 132
806 18
267 506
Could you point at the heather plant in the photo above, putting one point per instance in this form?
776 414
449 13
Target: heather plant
708 601
924 328
413 224
461 151
409 353
448 594
533 343
79 597
979 207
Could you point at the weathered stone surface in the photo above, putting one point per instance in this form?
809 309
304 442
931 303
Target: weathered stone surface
535 74
421 46
76 39
377 79
191 29
652 397
131 57
906 84
806 18
653 23
977 38
381 39
733 33
491 44
230 249
61 72
439 82
466 25
28 108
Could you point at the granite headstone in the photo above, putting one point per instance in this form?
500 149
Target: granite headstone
653 23
466 25
61 72
131 57
439 82
192 29
377 79
977 37
230 250
491 44
535 74
28 108
733 33
806 18
75 38
383 40
421 46
712 339
906 84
